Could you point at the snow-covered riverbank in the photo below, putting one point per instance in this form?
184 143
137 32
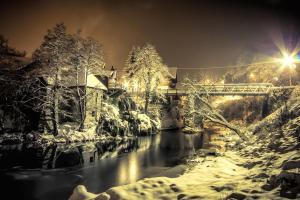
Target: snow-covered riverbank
265 167
229 176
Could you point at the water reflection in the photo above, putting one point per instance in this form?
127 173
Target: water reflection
128 170
99 166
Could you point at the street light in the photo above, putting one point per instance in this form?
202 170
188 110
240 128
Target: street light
290 62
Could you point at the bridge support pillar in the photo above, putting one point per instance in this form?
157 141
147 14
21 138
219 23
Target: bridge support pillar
171 114
265 107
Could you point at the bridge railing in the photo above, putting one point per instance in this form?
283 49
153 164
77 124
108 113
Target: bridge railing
225 89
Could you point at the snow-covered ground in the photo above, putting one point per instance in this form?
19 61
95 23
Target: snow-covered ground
219 177
236 175
266 167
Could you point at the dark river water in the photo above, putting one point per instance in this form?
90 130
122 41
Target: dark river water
52 172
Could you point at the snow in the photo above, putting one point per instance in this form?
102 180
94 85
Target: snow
143 120
210 178
69 136
200 182
92 81
190 130
266 167
111 119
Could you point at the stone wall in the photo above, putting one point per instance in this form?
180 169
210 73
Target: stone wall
172 114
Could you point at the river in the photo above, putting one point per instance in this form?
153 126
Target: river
29 172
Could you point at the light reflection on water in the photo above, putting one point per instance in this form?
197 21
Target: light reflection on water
128 170
100 167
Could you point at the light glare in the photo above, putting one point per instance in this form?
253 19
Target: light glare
288 60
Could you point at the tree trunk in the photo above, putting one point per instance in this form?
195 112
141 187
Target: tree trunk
84 103
55 105
147 97
54 112
79 99
223 122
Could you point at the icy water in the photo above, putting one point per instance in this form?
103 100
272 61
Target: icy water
29 172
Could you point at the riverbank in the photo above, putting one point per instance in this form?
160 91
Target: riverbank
264 167
207 179
232 175
54 175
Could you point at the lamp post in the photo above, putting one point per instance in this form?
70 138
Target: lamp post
289 61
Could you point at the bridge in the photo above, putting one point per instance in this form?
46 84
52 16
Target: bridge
238 89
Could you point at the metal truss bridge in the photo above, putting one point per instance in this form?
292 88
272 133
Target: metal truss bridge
238 89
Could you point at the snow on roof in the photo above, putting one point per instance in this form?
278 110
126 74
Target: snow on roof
92 82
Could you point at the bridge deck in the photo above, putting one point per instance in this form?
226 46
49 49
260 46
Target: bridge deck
243 89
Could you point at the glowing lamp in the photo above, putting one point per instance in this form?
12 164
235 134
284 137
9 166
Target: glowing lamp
288 61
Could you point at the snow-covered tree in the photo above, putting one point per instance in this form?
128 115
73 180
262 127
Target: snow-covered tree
54 57
67 60
145 68
87 59
200 110
7 51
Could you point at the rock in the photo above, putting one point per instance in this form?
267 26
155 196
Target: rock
236 195
189 130
250 165
267 187
293 164
103 196
210 152
221 188
175 188
80 193
262 175
180 196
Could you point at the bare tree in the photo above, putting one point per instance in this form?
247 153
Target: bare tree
200 107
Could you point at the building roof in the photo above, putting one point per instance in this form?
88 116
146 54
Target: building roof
92 82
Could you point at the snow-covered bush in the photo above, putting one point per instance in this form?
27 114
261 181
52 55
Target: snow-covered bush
139 123
111 122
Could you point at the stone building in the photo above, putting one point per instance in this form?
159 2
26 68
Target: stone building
95 90
13 80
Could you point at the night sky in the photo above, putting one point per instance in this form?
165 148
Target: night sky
186 33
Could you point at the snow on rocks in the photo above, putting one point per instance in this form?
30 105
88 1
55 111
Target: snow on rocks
143 120
190 130
80 193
